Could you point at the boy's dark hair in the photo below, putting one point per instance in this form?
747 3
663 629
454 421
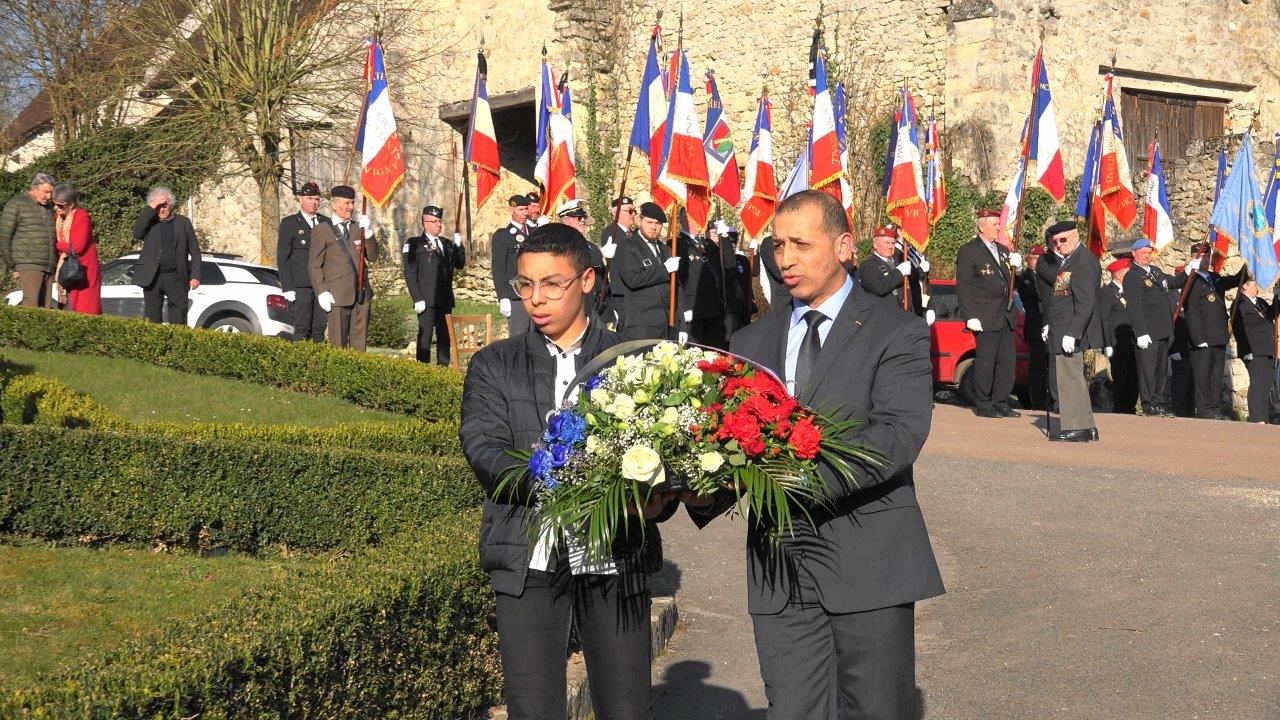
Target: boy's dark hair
560 240
834 220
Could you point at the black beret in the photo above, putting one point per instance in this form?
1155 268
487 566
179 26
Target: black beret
1059 227
515 200
433 211
624 200
653 212
343 191
309 188
531 199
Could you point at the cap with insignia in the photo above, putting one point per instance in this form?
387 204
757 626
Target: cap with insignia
1118 265
1139 244
309 189
515 200
885 231
1059 227
653 212
343 191
531 199
572 208
988 213
624 200
433 211
1036 251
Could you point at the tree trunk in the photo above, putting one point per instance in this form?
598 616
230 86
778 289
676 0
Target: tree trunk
269 219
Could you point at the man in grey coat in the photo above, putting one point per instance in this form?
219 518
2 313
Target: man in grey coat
1073 324
27 240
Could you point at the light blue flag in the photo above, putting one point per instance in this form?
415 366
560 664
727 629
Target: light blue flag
1240 215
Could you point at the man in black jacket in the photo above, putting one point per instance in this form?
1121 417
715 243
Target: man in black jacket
510 388
983 268
503 245
429 263
645 266
702 292
1254 328
293 250
1206 312
833 605
1118 331
883 271
169 265
1148 288
1074 325
1040 380
614 235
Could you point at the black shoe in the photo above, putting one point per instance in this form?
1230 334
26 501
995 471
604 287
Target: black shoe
987 413
1008 412
1083 435
1212 416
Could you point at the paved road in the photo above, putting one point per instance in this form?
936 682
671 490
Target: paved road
1131 578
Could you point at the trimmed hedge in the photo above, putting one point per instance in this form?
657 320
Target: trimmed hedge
423 391
128 486
39 400
400 631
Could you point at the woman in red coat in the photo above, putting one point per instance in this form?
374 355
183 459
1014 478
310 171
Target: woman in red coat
75 234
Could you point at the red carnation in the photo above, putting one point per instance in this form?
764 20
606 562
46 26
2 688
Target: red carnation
719 366
805 439
780 430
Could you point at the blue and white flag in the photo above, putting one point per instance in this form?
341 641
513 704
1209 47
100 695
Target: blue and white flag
1239 215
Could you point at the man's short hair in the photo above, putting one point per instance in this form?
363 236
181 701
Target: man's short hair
834 221
42 179
161 190
560 240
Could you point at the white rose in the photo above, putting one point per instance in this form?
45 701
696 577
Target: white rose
600 397
665 350
642 463
709 461
670 416
622 406
593 444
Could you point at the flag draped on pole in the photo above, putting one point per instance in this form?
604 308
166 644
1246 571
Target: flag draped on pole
904 202
840 105
561 182
760 189
481 145
1239 215
1157 219
1273 192
1114 179
825 169
1089 203
1044 154
722 164
648 129
381 157
1218 242
683 171
1011 208
545 98
935 190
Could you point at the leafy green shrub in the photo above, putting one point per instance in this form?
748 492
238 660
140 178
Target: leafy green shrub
427 392
146 488
391 322
38 400
403 630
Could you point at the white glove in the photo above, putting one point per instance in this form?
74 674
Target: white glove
1248 357
1044 334
504 307
325 300
672 264
754 245
1144 342
1175 356
1068 344
609 249
420 306
290 295
366 225
688 316
1107 351
904 267
1015 259
974 324
682 337
930 316
457 239
1203 345
924 266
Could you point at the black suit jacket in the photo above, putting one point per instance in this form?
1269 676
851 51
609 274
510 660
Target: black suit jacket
1117 327
1071 308
1030 287
503 246
1206 307
701 280
146 229
1253 326
646 281
767 269
429 272
982 285
883 279
867 547
293 250
506 397
1149 309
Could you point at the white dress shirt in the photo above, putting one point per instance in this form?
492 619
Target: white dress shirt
795 335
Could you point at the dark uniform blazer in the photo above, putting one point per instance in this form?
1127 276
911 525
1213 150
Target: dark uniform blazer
146 229
506 397
1072 306
428 272
883 279
767 269
1148 294
293 250
618 235
1205 308
646 280
503 245
982 285
1117 327
701 279
332 264
1253 326
1030 287
867 546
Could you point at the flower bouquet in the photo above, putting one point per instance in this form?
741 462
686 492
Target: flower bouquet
680 418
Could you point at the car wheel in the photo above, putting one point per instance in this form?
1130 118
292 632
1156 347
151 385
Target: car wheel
230 324
964 381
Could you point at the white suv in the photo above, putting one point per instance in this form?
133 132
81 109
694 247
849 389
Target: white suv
234 296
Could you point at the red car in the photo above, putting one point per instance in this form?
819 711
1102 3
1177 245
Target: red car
953 347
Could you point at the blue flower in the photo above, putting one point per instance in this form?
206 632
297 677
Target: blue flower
560 454
550 483
565 426
541 463
595 382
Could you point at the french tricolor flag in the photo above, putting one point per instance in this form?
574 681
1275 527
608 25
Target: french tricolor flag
481 142
1044 154
905 199
1157 220
562 183
683 171
381 157
760 189
546 100
825 169
1113 179
651 113
722 164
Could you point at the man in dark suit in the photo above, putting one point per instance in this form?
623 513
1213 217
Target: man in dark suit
334 268
169 265
702 292
1148 288
1040 381
645 266
429 263
739 300
1074 325
883 271
1254 328
511 387
574 214
1117 328
833 605
611 238
983 271
503 245
1206 312
293 251
766 268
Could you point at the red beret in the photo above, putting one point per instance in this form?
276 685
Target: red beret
1037 250
1118 265
885 231
988 213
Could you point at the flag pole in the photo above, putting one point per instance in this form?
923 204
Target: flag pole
673 229
1026 159
902 241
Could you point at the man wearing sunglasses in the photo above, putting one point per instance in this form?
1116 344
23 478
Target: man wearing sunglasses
1073 324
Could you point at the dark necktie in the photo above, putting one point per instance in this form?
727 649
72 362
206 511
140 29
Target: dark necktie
342 232
809 348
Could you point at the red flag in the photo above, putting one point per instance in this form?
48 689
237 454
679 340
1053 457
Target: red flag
1113 169
761 189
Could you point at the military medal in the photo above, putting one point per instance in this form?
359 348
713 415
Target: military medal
1147 282
1211 297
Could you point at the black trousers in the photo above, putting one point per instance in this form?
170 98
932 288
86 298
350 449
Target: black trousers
1124 382
613 628
1153 374
993 368
309 319
1040 374
1182 386
1206 371
432 322
1261 376
709 331
167 290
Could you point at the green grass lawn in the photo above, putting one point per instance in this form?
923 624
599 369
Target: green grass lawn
58 606
141 392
